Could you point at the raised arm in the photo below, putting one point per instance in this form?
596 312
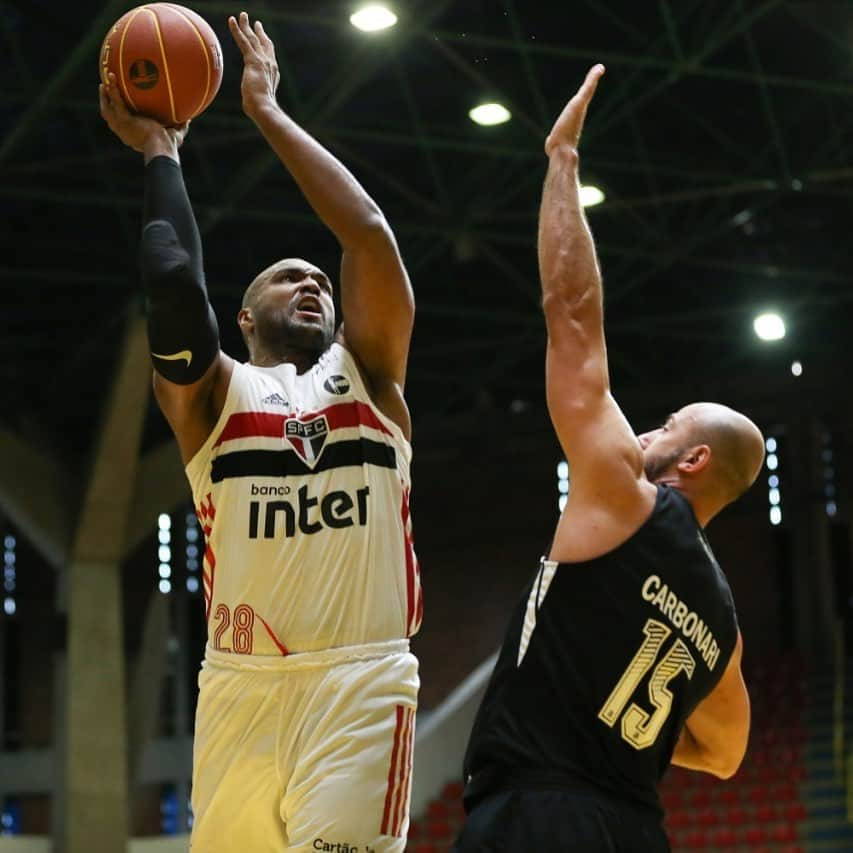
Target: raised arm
608 489
190 372
376 296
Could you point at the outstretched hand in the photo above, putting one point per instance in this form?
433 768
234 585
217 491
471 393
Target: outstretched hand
136 131
567 129
260 68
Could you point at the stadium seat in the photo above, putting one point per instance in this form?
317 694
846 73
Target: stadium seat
672 799
452 791
784 833
438 830
795 812
700 799
678 819
695 840
737 816
729 795
785 793
724 837
758 794
766 813
707 818
755 836
797 773
438 810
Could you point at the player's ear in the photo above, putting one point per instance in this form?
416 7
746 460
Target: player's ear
695 460
245 320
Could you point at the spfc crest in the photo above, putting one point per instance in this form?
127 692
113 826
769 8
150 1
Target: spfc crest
307 437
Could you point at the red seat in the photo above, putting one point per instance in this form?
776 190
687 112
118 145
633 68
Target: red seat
724 837
423 847
695 840
766 813
438 830
758 757
785 793
678 819
795 812
755 835
438 810
767 774
673 799
708 818
700 799
414 829
729 795
784 833
452 791
758 794
737 816
797 773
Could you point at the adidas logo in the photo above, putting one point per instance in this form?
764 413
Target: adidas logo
275 400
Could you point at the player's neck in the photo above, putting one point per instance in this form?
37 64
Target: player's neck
704 506
302 359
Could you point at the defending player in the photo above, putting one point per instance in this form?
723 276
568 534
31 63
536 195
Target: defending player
624 654
299 468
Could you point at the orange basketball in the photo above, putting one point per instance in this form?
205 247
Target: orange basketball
166 59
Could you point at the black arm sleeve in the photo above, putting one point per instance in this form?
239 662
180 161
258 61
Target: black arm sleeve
182 331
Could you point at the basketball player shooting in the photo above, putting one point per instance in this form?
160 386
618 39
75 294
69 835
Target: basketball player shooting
624 656
299 467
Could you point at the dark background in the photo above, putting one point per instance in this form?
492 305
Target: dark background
721 135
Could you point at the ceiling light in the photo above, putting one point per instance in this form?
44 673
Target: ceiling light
372 18
490 114
769 327
797 368
591 196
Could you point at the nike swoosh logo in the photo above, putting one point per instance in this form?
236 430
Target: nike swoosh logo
176 356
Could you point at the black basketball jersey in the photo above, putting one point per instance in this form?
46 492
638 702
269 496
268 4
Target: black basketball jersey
603 661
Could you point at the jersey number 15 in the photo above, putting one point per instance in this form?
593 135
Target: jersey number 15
639 728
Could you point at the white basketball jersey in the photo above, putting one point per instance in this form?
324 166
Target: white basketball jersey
302 490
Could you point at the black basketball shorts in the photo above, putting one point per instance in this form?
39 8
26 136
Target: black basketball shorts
531 821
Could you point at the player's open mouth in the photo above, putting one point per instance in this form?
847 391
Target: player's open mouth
309 307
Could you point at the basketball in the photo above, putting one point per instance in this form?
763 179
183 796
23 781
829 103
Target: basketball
166 59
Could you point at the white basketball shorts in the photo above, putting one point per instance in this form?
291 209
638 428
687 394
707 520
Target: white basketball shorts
309 752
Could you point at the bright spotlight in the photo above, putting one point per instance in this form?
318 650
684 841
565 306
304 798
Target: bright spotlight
769 327
489 114
591 196
372 18
797 368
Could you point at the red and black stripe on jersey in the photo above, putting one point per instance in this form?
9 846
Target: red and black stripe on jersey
286 461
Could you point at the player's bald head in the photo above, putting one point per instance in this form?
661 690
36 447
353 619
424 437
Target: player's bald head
737 445
265 276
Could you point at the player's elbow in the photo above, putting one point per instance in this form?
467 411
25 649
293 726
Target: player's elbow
726 756
726 767
371 232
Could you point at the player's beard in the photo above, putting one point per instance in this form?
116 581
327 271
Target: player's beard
656 466
283 330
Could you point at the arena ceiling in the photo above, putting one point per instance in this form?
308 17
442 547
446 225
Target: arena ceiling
722 135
